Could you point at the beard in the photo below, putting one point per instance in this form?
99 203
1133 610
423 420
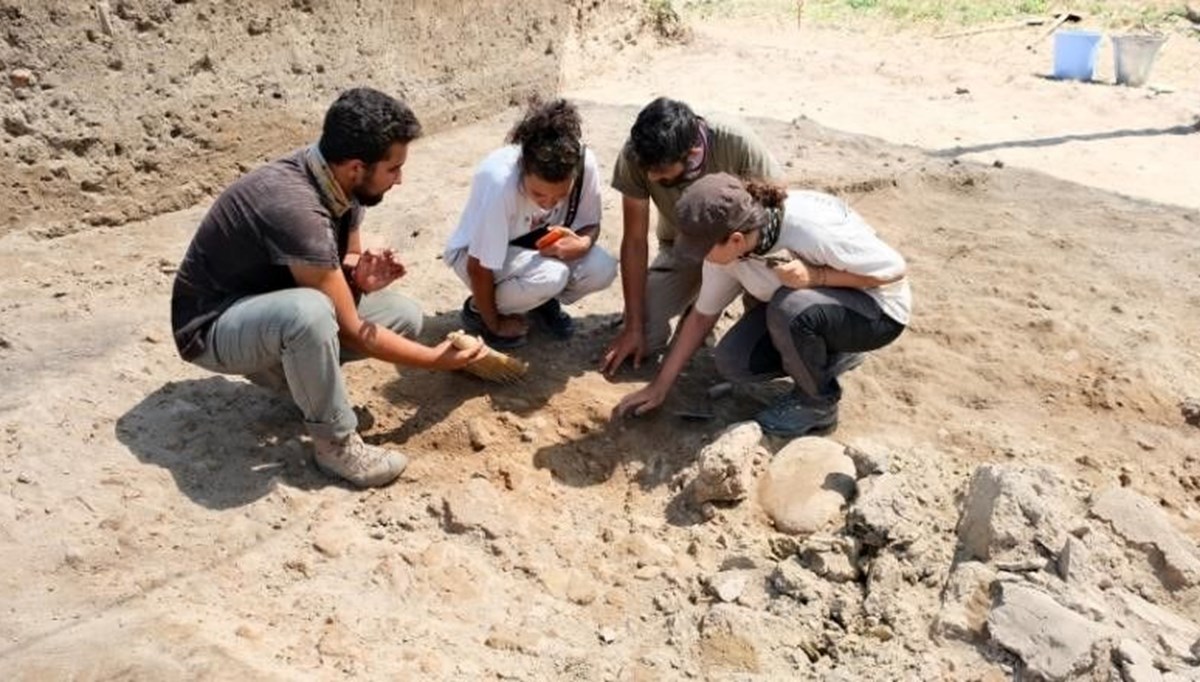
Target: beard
365 199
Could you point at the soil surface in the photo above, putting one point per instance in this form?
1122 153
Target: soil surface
165 523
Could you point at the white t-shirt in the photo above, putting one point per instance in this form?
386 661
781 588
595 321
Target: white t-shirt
821 230
498 211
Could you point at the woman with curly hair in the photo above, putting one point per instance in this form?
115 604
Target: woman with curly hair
830 290
526 241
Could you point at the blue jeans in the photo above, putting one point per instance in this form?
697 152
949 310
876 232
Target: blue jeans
800 333
292 335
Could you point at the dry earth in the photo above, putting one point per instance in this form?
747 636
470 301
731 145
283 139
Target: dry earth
164 523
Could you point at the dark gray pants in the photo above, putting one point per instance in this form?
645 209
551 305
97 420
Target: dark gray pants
802 333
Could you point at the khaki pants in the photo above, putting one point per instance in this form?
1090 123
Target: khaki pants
672 285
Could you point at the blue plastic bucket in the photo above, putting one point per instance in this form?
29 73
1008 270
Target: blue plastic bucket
1075 54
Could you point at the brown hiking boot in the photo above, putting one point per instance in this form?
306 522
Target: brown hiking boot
366 466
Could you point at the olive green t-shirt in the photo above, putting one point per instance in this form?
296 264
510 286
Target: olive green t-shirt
733 148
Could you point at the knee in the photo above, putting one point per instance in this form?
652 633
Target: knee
791 309
308 316
599 270
401 314
551 277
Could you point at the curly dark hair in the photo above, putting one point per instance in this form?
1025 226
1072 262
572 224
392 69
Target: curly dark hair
549 136
363 124
767 194
663 133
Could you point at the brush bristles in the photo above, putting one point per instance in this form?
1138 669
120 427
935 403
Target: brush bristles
495 366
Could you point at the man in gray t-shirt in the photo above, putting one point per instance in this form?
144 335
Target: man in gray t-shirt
669 148
277 287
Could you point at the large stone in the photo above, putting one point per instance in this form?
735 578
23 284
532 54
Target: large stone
878 516
1053 641
725 466
1144 524
966 600
806 485
1009 510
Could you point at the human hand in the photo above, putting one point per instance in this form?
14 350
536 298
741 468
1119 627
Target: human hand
376 269
451 357
630 344
567 247
640 402
796 274
509 326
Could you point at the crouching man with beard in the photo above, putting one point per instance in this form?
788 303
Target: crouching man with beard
277 287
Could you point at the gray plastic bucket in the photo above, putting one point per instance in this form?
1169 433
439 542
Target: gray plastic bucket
1133 55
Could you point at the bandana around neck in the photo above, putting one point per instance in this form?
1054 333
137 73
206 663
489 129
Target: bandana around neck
331 192
694 164
769 235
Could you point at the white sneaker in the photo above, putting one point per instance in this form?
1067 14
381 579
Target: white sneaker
366 466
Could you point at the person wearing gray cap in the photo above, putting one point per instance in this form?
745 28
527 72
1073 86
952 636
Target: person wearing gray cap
829 289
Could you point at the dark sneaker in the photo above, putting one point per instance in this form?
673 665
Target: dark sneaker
841 363
473 323
793 416
556 321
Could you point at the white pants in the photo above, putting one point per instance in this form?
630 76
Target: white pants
529 279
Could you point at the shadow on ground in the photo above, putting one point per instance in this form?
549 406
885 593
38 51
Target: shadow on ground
226 443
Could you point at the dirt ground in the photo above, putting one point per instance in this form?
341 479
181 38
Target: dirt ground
164 523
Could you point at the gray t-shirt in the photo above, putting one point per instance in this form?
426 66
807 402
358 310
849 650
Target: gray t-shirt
266 221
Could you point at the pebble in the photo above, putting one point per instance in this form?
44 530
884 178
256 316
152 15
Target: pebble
479 433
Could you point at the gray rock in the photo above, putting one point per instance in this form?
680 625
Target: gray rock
878 514
1009 510
869 458
887 597
1136 663
1144 524
724 469
806 485
1072 561
834 559
1053 641
477 506
729 585
798 582
728 640
1175 634
966 600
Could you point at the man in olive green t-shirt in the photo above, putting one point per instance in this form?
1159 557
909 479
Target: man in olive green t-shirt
669 147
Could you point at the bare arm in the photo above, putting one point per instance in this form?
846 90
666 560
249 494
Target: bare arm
798 274
691 334
369 338
635 250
